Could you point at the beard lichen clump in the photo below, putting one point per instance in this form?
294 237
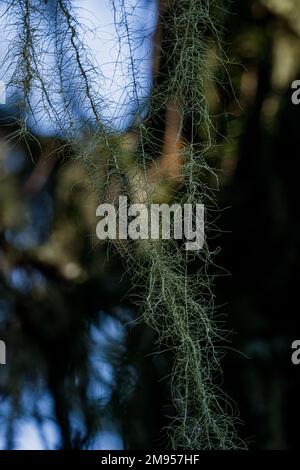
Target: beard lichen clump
141 163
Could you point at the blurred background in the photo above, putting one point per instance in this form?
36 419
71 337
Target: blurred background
80 372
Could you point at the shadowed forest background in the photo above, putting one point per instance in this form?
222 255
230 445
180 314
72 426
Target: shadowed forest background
80 372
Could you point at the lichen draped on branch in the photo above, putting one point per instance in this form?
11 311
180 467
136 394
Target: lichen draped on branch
161 158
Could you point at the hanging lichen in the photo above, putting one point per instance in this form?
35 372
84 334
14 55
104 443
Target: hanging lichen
162 158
